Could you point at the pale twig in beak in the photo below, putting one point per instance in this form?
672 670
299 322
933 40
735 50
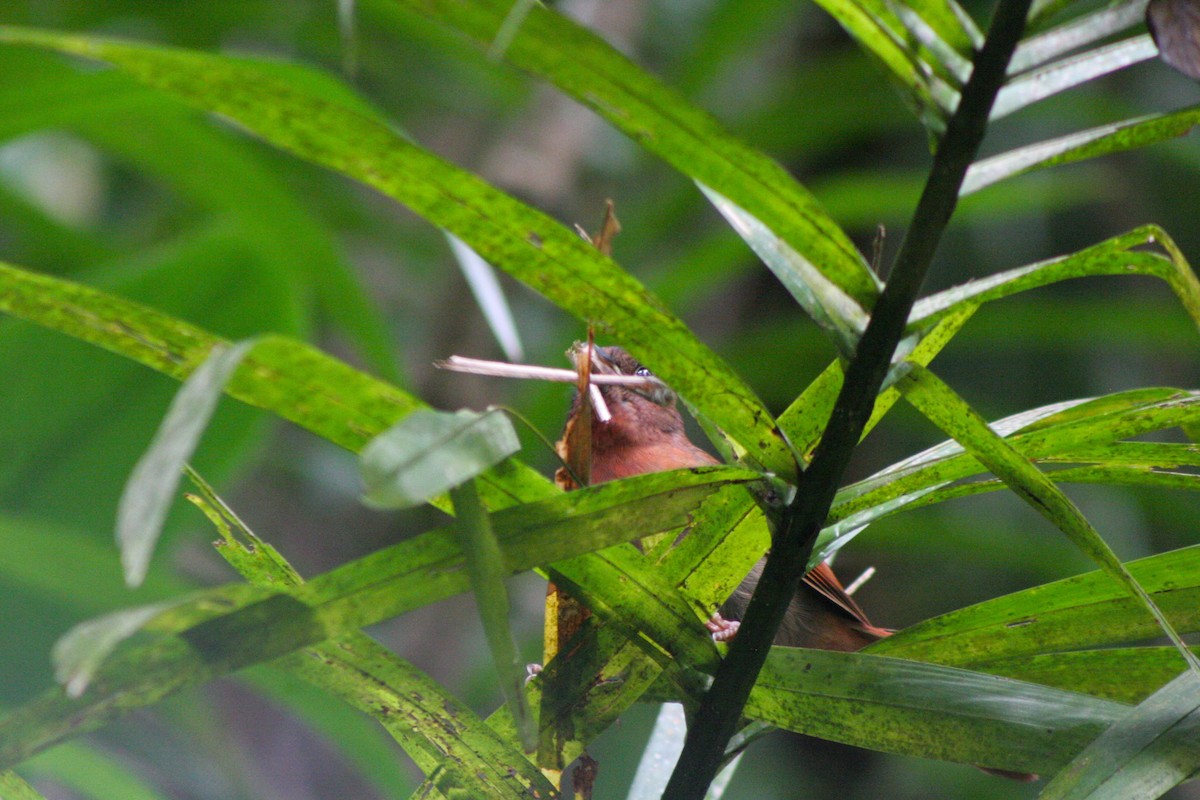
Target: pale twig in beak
595 367
502 369
598 405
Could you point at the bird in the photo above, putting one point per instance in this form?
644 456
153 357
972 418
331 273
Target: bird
646 434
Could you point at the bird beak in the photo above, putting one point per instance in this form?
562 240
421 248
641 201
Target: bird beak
601 365
658 392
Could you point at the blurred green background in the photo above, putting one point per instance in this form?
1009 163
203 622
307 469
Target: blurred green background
115 186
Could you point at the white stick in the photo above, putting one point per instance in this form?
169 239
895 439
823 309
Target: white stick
500 369
598 404
857 583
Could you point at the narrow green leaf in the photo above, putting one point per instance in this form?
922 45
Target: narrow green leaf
1060 76
1140 757
842 318
1039 434
1115 256
879 33
834 536
927 710
91 772
485 564
430 452
14 787
945 56
489 296
81 651
641 599
1115 137
512 236
589 69
1042 434
939 403
606 673
234 626
804 420
612 665
1120 464
151 487
289 378
728 535
467 756
1124 674
1075 34
1083 611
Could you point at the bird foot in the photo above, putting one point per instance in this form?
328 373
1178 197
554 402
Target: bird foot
722 630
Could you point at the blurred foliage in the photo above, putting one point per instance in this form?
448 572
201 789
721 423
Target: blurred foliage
111 184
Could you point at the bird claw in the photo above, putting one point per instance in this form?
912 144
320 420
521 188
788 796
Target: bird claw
722 630
531 672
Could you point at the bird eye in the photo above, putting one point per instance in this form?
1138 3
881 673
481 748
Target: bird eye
642 372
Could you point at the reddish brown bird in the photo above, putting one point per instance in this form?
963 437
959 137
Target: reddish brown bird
646 434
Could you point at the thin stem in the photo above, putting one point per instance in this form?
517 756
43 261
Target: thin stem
798 524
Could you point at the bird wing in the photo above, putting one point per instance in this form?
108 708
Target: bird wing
826 584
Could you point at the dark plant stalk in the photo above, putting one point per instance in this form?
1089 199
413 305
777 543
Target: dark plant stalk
798 524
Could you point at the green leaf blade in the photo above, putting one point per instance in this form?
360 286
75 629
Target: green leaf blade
1141 756
945 409
510 235
151 487
430 452
405 701
927 710
584 66
235 626
485 563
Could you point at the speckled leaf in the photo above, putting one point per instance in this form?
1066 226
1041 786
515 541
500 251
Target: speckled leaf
586 67
1052 431
14 787
1150 750
1089 610
467 756
1115 137
927 710
328 130
613 664
1115 256
943 407
1124 674
485 565
235 626
284 376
